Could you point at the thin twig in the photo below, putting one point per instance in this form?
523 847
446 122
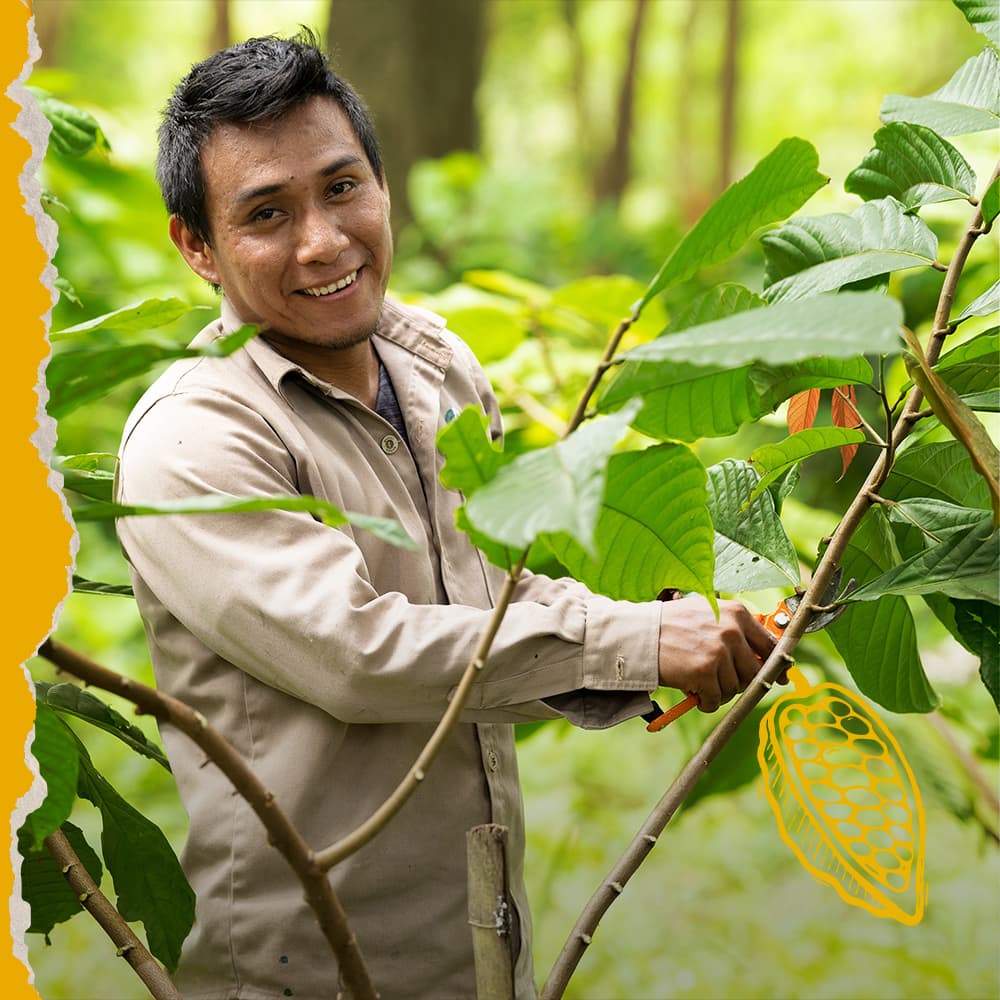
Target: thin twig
282 833
598 904
861 420
156 979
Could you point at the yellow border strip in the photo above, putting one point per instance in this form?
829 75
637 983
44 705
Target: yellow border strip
37 537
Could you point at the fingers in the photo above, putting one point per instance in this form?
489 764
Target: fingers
712 659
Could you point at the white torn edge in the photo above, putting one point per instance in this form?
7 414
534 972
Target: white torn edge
33 126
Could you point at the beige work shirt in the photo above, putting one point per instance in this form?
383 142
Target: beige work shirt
326 656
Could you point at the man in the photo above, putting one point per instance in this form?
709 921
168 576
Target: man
327 655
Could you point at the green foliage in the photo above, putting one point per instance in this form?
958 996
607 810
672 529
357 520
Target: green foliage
983 16
54 748
75 132
914 165
774 460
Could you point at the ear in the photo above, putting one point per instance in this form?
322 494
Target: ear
194 250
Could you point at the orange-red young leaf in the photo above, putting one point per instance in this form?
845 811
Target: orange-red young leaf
802 409
844 412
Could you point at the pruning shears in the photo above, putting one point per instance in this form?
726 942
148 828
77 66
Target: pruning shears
776 622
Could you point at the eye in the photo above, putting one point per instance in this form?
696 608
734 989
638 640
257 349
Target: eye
264 215
341 187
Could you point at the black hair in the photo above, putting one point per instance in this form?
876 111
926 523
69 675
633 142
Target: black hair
257 80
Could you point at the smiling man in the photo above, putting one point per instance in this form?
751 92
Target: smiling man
326 655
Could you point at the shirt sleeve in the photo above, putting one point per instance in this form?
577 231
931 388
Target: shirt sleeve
287 599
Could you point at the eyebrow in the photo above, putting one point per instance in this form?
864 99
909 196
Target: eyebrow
265 190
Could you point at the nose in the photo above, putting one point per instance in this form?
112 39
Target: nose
320 238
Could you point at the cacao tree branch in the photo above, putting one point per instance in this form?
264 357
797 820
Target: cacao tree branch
282 833
156 979
779 660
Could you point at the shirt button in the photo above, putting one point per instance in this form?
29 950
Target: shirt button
493 760
390 444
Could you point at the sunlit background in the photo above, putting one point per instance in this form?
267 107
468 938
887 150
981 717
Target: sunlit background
548 140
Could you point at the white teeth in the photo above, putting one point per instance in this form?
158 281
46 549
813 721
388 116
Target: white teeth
335 287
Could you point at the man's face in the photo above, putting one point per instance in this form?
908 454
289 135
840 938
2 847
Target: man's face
299 224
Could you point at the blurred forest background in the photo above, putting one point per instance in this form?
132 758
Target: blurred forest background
531 143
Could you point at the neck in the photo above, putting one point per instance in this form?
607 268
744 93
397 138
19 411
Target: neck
352 369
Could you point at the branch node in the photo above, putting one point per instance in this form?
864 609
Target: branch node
84 896
786 658
120 952
479 663
617 886
649 837
767 684
419 775
586 939
200 720
66 868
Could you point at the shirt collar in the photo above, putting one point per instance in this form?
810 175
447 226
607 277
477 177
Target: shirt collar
414 329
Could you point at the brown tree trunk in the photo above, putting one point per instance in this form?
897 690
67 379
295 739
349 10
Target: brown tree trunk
221 35
417 64
728 91
614 174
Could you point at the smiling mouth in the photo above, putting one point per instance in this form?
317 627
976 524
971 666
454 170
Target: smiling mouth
335 286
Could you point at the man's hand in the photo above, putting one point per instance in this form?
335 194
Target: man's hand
713 660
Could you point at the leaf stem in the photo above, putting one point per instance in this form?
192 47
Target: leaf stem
775 665
282 833
156 979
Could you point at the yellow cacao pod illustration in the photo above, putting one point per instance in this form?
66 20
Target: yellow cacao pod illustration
845 798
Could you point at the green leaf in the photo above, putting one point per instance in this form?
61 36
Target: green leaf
75 132
878 640
983 305
653 530
44 887
472 458
807 256
988 401
941 470
914 165
558 488
81 585
840 326
959 419
94 483
778 185
54 748
978 622
776 384
82 374
66 290
973 366
966 566
752 550
71 699
601 299
490 331
213 503
148 879
936 519
150 314
968 102
774 460
990 202
684 402
983 16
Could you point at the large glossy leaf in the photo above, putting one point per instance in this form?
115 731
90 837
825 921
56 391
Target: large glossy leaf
71 699
150 314
963 423
683 401
149 883
558 488
968 102
978 622
492 332
914 165
775 384
44 887
973 366
778 185
752 550
82 474
983 15
83 374
725 299
878 640
653 530
214 503
982 305
941 470
990 203
840 326
937 520
774 460
807 256
966 565
54 748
